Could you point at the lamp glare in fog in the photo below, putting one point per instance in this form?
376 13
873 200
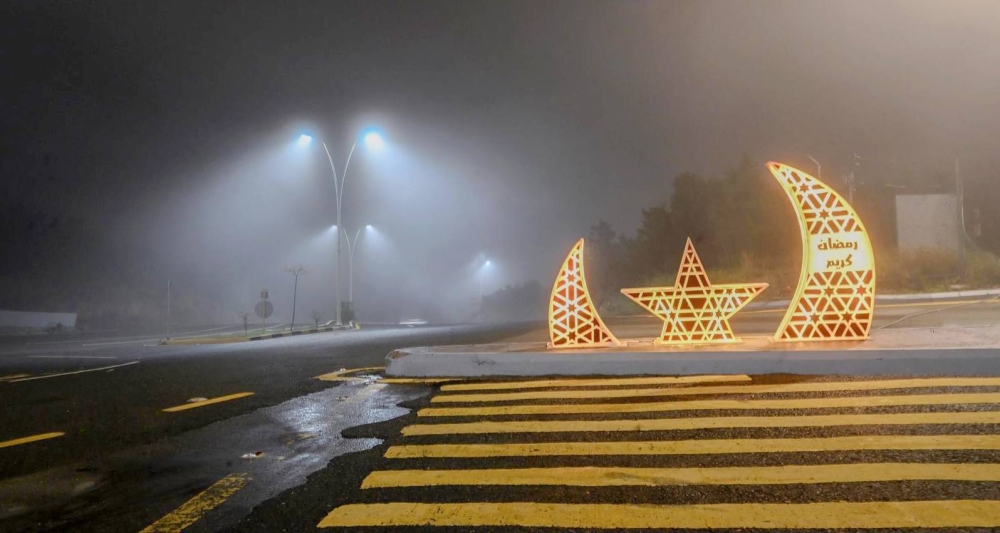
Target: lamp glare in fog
369 226
374 141
304 140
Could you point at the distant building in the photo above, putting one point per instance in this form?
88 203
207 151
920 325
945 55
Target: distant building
928 221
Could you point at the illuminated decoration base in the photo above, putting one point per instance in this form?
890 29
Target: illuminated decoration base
573 319
694 311
835 297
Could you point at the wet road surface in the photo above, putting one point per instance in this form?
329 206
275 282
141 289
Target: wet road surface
116 414
99 434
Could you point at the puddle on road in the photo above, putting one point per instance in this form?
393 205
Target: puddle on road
295 439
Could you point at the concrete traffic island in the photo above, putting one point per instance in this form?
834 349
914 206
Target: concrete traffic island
903 351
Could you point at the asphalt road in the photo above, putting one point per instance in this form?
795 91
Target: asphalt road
107 394
283 451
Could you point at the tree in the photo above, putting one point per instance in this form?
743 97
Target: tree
245 317
317 316
600 255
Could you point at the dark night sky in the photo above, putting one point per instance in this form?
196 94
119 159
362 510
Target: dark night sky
512 126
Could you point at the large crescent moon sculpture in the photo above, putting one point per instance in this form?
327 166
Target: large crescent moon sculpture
573 319
835 297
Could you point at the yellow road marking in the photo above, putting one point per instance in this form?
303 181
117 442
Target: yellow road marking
821 386
13 376
822 515
663 380
408 381
669 424
797 403
210 401
193 509
656 477
33 438
341 375
698 447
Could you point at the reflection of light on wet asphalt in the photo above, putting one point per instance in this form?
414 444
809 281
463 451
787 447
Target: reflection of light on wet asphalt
295 439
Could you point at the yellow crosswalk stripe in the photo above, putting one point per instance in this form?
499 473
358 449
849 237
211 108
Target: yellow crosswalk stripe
610 382
822 515
822 386
698 447
667 424
798 403
654 477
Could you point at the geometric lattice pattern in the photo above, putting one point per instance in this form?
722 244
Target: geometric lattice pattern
573 319
835 296
694 311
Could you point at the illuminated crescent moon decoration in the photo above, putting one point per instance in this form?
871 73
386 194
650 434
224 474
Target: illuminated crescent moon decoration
573 319
835 297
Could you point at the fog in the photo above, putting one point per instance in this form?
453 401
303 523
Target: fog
169 130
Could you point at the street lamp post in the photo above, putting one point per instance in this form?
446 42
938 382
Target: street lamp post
351 246
482 276
374 142
297 271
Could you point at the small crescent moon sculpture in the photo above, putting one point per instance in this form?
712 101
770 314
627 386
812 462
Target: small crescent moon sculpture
835 296
573 318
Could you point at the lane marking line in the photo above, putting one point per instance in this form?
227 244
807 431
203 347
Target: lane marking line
210 401
98 369
671 424
663 380
416 381
71 357
341 375
120 342
33 438
13 376
589 476
700 405
697 447
192 510
821 515
821 386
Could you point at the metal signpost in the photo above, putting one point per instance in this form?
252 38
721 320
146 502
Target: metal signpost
263 310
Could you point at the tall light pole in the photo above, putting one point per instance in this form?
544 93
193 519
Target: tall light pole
351 246
374 142
482 276
296 271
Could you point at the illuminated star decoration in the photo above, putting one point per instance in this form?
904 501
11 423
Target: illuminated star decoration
694 311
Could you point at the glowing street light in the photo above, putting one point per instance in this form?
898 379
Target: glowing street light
374 142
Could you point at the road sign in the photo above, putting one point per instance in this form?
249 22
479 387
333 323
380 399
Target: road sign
264 309
263 294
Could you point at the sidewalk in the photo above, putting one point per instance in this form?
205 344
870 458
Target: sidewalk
955 350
